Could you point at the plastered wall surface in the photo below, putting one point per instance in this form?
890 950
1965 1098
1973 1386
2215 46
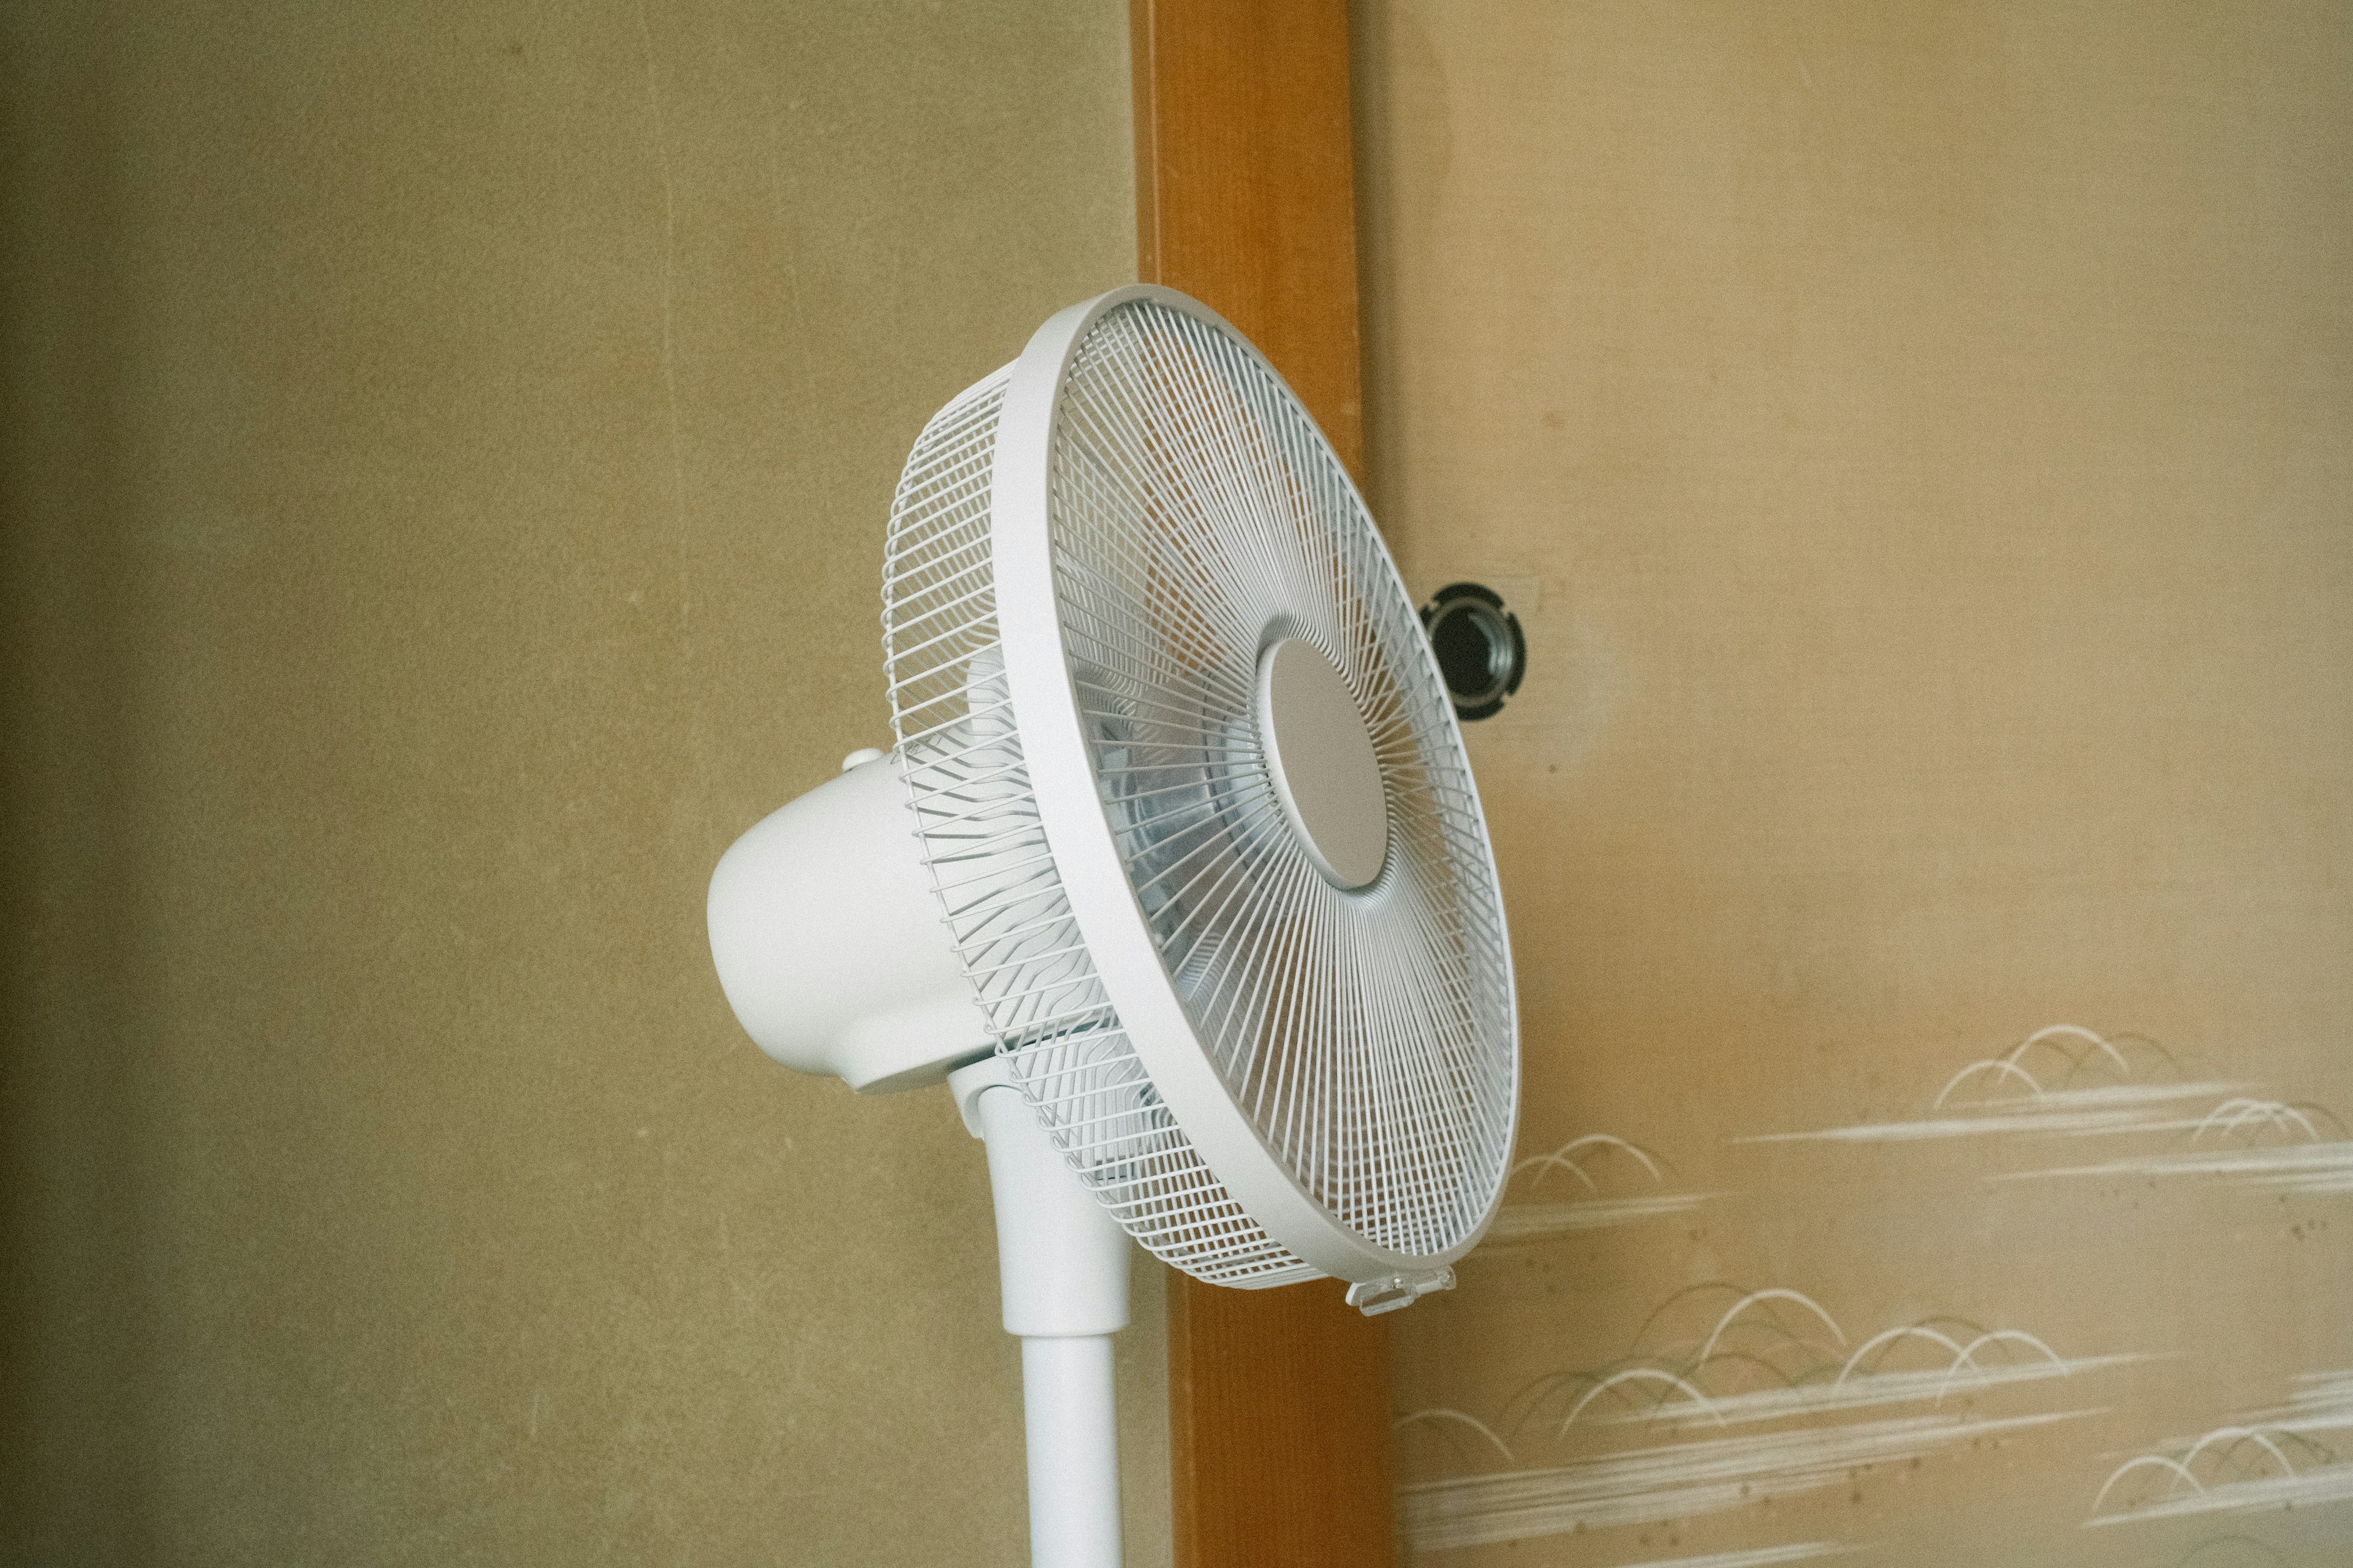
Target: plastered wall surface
1919 441
447 451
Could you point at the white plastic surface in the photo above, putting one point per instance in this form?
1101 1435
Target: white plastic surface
827 939
1061 1269
1324 772
1069 1423
1061 1261
1374 1296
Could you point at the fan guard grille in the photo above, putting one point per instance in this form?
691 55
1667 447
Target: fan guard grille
1368 1036
960 754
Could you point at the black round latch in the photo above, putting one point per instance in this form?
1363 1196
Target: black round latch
1481 650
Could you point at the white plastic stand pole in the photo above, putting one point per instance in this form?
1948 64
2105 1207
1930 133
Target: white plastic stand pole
1070 1420
1062 1273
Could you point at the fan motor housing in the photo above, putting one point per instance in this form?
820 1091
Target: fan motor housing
827 937
1322 763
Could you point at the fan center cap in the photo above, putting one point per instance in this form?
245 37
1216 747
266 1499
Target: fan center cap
1322 759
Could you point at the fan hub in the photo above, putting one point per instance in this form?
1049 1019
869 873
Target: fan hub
1321 757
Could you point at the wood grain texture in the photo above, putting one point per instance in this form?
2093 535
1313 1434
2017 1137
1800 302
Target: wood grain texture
1245 199
1244 183
1278 1404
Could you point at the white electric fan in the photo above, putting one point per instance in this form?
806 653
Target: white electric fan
1179 801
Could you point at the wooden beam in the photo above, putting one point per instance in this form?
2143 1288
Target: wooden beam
1245 199
1245 193
1278 1416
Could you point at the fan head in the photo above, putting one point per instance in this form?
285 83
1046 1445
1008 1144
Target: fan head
1191 795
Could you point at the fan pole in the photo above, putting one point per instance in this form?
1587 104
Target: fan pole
1062 1272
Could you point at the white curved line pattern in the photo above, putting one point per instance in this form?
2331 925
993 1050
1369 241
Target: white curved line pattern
1651 1373
2311 1489
1968 1358
1820 1400
1608 1142
1772 1293
2070 1031
2235 1435
2279 1115
1888 1336
1540 1163
1447 1414
1998 1066
2241 1110
1684 1479
2322 1401
2159 1461
1564 1159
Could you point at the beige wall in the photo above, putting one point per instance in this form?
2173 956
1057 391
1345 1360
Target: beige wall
1920 439
448 454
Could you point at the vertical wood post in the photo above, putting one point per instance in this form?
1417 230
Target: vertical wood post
1246 200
